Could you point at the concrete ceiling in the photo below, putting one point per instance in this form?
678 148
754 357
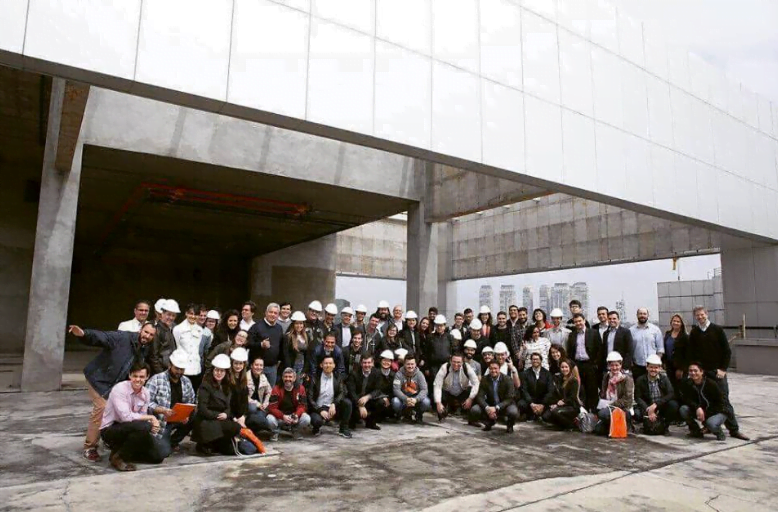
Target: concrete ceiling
111 217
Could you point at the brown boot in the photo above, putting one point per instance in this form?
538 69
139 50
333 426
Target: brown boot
119 464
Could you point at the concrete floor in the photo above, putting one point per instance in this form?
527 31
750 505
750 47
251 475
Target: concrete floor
442 467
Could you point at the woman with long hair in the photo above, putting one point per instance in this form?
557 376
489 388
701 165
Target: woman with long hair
541 320
675 357
298 346
214 429
557 354
485 316
240 340
534 342
390 341
239 390
227 328
564 403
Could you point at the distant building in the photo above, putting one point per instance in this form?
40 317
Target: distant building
528 299
560 297
485 296
545 299
580 291
680 297
507 296
621 309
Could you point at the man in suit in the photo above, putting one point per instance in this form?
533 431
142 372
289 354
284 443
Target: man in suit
354 353
344 330
494 400
584 346
602 324
371 400
536 383
617 339
328 400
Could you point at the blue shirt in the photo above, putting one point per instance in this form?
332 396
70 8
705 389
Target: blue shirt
648 341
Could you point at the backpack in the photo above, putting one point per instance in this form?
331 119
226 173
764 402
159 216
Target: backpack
653 428
586 421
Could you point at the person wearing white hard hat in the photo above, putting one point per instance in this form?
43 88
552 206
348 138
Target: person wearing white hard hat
558 333
344 329
469 350
328 322
236 379
456 335
360 312
494 400
410 391
212 320
382 312
410 334
189 336
287 406
163 343
214 429
167 389
371 403
618 390
313 323
247 312
502 355
158 308
266 340
487 356
298 346
655 404
141 311
485 316
439 347
455 387
285 316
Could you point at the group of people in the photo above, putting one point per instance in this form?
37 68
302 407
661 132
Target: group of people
290 371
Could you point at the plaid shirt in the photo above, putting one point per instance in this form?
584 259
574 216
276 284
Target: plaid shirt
159 392
653 388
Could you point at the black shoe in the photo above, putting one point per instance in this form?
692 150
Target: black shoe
474 423
696 434
419 419
316 431
667 431
203 450
372 426
737 435
487 427
720 436
509 429
344 432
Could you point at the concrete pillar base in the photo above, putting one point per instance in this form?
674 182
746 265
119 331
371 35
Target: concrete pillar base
750 280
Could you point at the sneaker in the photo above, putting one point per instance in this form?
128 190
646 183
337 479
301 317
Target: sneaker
274 437
316 431
487 427
695 434
372 426
344 432
296 435
720 436
91 455
509 429
419 419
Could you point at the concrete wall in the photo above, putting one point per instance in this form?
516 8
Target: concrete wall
680 297
750 276
569 94
377 249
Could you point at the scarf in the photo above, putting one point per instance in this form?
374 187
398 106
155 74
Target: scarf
611 393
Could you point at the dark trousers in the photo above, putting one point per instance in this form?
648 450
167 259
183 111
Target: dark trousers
133 441
342 414
223 444
729 411
589 382
171 437
377 410
524 408
562 416
667 412
257 421
196 380
638 371
510 414
454 402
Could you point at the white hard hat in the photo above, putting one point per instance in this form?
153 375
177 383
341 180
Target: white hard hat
179 358
556 313
484 309
171 306
240 354
614 356
159 305
315 305
221 361
654 359
501 348
487 350
401 353
456 334
332 309
411 315
471 344
476 324
383 304
298 316
213 315
387 354
361 309
440 320
347 310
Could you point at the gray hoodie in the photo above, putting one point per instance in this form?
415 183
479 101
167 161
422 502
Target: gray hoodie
414 386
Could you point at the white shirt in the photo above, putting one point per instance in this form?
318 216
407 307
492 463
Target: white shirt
602 329
346 335
399 324
188 337
704 327
326 392
130 325
245 326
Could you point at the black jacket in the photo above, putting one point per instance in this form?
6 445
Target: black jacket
377 386
643 393
352 359
710 348
622 343
260 331
211 401
485 396
112 364
707 395
338 330
438 349
317 356
411 340
161 347
339 390
559 392
497 335
534 390
385 344
680 357
593 345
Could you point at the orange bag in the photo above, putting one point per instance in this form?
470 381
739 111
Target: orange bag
246 433
618 428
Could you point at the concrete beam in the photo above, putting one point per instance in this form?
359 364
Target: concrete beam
44 348
73 108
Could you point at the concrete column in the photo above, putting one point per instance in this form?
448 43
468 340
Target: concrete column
750 280
422 258
44 347
447 303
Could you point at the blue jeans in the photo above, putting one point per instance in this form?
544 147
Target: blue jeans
256 419
271 372
422 405
713 423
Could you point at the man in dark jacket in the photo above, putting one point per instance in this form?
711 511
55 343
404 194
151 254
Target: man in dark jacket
327 397
439 349
709 346
585 348
536 384
112 365
617 339
368 393
164 343
264 341
325 349
501 332
702 401
354 353
654 396
494 400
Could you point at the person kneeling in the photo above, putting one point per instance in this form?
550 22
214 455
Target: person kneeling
654 394
214 428
126 427
369 390
327 398
536 384
562 400
703 402
410 390
287 404
618 390
456 385
494 400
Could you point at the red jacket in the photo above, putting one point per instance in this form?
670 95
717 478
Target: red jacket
277 396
